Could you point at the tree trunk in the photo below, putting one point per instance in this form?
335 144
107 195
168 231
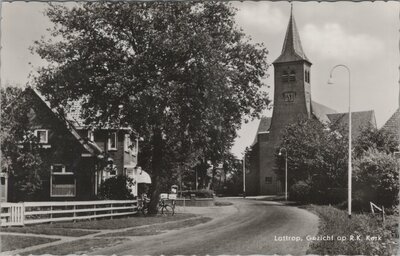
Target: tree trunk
156 169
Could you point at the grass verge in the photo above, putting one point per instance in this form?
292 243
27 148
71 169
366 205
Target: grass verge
14 242
48 229
159 228
119 223
222 203
374 237
83 246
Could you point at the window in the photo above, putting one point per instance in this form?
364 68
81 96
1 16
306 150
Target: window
112 141
127 142
307 76
268 180
292 76
289 96
90 135
43 136
62 182
285 76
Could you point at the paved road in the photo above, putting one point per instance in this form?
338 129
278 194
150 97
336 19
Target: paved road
247 227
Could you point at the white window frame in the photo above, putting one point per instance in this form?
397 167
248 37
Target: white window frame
63 172
109 141
47 135
91 135
127 143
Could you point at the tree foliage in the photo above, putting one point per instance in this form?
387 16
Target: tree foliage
377 178
373 138
183 72
21 157
317 156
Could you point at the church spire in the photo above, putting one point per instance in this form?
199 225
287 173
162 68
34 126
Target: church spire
292 49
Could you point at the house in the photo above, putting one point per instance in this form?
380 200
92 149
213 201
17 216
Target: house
292 100
80 156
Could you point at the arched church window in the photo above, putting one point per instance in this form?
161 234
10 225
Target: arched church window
285 76
292 76
307 76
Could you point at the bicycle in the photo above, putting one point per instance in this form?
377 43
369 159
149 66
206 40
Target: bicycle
165 208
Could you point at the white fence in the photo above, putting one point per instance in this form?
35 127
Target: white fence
19 214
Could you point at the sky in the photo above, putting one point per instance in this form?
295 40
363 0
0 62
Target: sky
364 36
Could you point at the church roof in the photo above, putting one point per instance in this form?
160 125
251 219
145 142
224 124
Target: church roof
292 49
359 120
324 114
264 125
393 124
321 111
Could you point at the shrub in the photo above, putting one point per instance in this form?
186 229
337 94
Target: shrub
300 191
377 178
202 193
116 188
335 222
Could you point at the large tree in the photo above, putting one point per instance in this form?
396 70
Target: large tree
185 74
373 138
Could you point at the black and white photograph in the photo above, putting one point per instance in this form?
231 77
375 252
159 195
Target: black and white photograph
199 128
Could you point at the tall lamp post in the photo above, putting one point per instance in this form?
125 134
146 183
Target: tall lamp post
244 175
280 153
349 164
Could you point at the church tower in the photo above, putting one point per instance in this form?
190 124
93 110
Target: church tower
292 100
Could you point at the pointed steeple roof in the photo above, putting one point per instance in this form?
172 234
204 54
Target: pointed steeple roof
292 49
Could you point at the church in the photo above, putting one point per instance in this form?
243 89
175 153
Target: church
292 100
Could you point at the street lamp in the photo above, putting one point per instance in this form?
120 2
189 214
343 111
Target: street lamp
349 165
244 175
280 153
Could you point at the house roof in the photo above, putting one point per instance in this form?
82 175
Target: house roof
92 148
292 49
393 124
74 115
359 120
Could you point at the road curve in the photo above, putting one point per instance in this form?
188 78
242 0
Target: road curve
253 227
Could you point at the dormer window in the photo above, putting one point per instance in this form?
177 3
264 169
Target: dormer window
43 136
112 141
292 76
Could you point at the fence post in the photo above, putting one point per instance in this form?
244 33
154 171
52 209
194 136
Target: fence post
74 212
383 214
23 214
111 210
51 214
